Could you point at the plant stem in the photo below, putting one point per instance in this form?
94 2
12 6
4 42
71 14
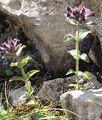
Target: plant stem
6 96
22 70
23 74
24 77
77 56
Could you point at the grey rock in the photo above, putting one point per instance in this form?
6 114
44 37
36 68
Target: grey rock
17 96
43 21
91 83
80 102
52 89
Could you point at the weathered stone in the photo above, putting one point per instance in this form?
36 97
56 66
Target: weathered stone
17 96
91 83
44 22
80 102
52 89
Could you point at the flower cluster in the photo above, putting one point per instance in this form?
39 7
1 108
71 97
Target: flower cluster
79 13
10 46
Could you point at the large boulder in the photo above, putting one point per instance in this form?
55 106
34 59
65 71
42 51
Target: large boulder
43 21
85 105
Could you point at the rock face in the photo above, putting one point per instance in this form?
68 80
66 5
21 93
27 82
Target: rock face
43 21
80 102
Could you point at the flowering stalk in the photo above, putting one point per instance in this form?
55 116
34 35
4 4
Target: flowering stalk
78 16
12 49
77 56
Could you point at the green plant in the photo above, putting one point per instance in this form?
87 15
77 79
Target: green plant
5 115
12 49
77 16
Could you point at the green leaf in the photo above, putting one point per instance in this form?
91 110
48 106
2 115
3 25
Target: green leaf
73 53
17 78
29 88
20 50
26 118
70 72
91 23
83 34
74 86
85 58
72 21
37 115
23 62
2 111
8 72
86 75
31 73
13 64
69 37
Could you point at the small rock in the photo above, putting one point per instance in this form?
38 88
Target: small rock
80 102
91 83
18 96
52 89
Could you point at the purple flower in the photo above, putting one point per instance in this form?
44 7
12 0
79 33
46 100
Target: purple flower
10 46
79 13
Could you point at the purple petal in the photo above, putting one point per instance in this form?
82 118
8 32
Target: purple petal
76 15
15 42
90 14
2 48
2 52
82 18
6 45
10 43
69 9
69 14
82 11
